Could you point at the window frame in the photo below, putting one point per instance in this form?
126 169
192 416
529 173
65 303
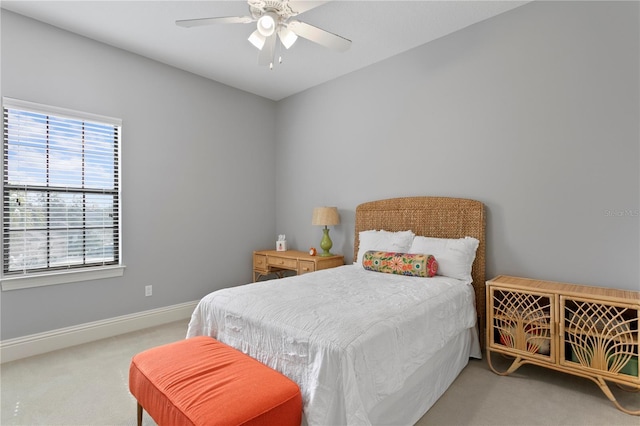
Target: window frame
54 276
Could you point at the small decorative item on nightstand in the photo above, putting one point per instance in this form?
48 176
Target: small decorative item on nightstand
325 216
281 244
312 251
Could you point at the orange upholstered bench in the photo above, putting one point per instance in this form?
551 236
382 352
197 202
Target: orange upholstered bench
201 381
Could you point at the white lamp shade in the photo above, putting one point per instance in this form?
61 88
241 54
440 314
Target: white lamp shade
287 37
267 24
257 39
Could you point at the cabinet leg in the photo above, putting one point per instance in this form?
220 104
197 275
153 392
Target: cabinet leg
627 388
605 389
513 367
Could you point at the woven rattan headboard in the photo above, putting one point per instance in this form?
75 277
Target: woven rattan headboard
439 217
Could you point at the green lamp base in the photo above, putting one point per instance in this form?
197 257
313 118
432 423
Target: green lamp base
325 243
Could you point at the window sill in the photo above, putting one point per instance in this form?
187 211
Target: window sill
17 283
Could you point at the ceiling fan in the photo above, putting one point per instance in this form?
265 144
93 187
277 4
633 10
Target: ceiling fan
273 22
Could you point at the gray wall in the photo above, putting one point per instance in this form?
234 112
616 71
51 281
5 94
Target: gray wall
534 112
190 189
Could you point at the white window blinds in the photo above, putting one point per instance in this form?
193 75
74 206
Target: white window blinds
61 189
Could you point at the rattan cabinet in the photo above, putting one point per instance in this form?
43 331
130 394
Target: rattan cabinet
590 332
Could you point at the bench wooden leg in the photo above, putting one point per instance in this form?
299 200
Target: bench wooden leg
139 414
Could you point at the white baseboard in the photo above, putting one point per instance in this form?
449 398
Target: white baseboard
36 344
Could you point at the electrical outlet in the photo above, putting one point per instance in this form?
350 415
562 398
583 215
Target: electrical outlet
148 290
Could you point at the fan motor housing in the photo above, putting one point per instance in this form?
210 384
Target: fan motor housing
281 8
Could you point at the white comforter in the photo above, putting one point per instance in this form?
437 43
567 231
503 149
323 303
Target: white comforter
347 336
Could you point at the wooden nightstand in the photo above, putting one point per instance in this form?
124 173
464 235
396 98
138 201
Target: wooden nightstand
267 262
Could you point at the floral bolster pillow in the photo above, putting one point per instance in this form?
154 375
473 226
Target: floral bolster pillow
417 265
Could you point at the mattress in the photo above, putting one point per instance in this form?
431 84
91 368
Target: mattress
350 338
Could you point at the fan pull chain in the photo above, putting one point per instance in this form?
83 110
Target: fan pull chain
279 62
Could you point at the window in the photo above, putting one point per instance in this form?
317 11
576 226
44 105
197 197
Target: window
61 192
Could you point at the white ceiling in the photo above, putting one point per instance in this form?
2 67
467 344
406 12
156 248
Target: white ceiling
378 29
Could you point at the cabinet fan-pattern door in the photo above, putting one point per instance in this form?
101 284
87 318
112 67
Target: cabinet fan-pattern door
600 336
522 321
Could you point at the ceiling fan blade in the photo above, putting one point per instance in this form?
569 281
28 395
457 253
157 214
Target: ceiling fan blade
265 57
301 6
320 36
188 23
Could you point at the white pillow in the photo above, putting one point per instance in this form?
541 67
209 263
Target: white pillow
383 241
455 256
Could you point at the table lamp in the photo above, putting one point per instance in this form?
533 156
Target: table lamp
325 216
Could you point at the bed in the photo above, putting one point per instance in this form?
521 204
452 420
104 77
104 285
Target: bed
364 347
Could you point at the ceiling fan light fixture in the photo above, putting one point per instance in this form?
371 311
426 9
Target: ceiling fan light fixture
273 22
257 39
267 24
287 37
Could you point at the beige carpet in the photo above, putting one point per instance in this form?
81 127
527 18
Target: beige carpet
88 385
